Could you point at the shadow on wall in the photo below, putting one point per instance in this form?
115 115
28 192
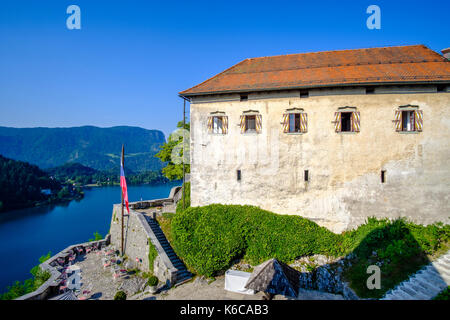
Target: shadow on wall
397 250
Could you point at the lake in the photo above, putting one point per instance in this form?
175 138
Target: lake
26 235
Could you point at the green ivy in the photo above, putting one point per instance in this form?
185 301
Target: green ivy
152 254
210 238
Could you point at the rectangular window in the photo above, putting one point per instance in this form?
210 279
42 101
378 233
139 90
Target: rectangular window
306 175
370 90
244 97
346 121
383 176
238 175
408 121
304 94
217 125
294 122
250 123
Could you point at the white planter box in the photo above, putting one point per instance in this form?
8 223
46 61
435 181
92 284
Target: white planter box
235 281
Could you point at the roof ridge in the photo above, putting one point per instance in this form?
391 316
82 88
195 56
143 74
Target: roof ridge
342 50
390 63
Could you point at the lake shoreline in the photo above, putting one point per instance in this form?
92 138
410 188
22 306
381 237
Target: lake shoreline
39 204
32 232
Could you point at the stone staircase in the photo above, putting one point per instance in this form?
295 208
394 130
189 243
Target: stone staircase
182 275
425 284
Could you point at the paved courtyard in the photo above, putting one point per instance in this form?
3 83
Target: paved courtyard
101 285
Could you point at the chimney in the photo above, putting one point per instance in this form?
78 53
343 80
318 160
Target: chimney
446 53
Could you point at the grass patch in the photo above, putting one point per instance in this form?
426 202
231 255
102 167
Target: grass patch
399 248
165 222
152 254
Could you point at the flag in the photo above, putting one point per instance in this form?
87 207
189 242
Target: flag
123 185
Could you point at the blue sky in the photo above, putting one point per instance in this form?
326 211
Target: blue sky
131 58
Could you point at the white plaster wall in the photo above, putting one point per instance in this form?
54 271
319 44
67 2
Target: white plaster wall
344 169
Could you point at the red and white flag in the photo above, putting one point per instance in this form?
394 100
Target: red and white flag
123 185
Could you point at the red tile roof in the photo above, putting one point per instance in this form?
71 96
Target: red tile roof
387 65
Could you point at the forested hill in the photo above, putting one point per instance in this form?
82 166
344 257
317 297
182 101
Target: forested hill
94 147
21 184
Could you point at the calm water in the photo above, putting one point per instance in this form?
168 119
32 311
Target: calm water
26 235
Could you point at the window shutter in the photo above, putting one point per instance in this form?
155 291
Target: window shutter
355 121
398 120
418 118
224 124
286 122
242 124
337 121
258 123
303 122
210 124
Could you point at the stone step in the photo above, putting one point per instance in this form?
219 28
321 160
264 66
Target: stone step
435 281
179 265
418 291
401 295
409 291
442 268
426 284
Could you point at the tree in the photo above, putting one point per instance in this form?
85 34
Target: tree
174 146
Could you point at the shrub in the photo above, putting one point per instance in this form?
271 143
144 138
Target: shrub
152 254
97 237
19 289
399 247
209 238
120 295
152 281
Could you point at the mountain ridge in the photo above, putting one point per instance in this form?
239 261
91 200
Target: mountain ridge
95 147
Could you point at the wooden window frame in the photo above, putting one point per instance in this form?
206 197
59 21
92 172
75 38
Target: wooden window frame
355 120
417 122
224 121
303 121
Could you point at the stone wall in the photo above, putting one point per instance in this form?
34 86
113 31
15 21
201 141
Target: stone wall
50 287
344 186
137 237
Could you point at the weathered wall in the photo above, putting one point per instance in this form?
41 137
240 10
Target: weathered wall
135 237
344 168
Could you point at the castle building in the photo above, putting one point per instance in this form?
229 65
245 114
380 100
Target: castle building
336 136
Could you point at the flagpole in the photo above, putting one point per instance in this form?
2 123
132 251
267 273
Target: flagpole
121 192
184 132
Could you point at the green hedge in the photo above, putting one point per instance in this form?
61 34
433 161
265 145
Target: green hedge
209 239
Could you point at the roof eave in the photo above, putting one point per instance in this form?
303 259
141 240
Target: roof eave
359 84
